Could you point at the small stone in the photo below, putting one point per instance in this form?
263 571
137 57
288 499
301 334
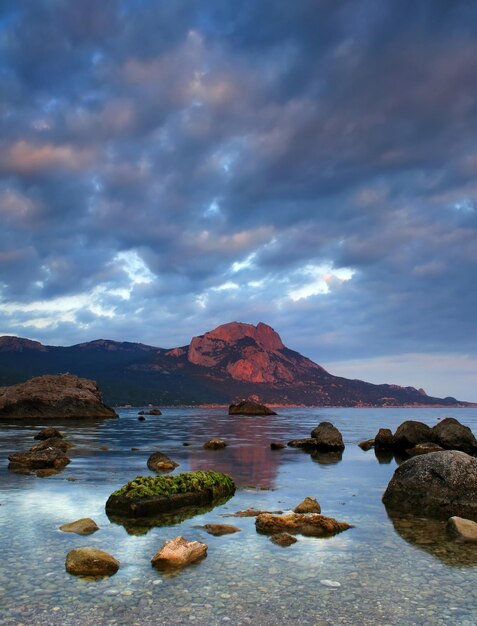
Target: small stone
366 445
220 529
88 561
83 526
464 530
283 539
326 582
179 552
215 444
309 505
159 462
277 445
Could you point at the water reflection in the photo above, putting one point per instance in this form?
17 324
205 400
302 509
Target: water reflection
327 458
431 536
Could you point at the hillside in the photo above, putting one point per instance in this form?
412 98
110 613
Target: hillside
231 362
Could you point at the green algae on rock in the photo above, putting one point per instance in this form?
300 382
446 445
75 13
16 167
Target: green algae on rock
148 495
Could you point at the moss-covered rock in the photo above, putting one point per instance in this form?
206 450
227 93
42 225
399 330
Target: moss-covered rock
149 495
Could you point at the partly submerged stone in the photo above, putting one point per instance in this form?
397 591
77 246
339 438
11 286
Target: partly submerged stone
179 552
310 524
159 462
48 433
424 448
384 439
90 562
215 444
328 437
151 495
309 505
366 445
83 526
45 397
410 433
452 435
464 530
154 412
277 445
308 443
38 459
54 442
438 484
247 407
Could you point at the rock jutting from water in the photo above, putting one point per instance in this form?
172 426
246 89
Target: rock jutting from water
159 462
49 458
150 495
438 484
215 444
464 530
247 407
328 437
452 435
83 526
89 561
309 524
53 397
48 433
309 505
178 553
283 539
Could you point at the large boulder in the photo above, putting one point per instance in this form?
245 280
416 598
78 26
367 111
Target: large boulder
159 462
410 433
384 439
452 435
310 524
247 407
45 397
90 562
179 552
439 485
328 437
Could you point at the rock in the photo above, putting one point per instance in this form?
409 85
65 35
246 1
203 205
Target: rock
309 505
154 412
220 529
141 412
308 443
326 582
54 442
439 485
247 407
214 444
45 397
328 437
90 562
159 462
410 433
277 445
424 448
48 433
452 435
83 526
283 539
141 418
310 524
250 513
384 439
366 445
179 552
51 457
187 443
464 530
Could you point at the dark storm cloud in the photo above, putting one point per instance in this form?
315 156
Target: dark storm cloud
167 167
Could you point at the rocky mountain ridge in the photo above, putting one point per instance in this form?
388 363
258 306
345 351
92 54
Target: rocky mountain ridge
231 362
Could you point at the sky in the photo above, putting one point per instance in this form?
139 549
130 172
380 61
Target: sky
166 167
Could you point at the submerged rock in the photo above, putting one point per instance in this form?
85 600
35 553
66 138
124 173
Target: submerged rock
309 505
247 407
328 437
283 539
90 562
308 443
452 435
154 412
310 524
83 526
366 445
277 445
464 530
45 397
220 529
179 552
438 484
159 462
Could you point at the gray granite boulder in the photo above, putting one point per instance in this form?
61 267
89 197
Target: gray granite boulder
410 433
437 485
452 435
328 437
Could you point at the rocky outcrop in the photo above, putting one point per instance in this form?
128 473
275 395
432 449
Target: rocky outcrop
159 462
247 407
90 562
439 485
309 524
464 530
410 433
83 526
309 505
178 553
53 458
46 397
452 435
328 437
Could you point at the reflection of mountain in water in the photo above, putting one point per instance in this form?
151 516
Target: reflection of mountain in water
430 535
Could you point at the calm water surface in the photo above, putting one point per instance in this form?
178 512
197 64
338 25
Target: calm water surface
391 572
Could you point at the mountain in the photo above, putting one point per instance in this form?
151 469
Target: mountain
231 362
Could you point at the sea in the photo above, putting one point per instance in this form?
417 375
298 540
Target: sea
385 571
